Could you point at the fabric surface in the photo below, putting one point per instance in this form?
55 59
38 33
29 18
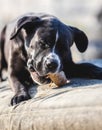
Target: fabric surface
76 106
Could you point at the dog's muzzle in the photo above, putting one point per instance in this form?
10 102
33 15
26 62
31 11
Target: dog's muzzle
52 63
49 64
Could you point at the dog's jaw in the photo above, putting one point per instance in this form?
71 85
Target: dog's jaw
40 80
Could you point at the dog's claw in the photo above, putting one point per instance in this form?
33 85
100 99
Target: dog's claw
19 98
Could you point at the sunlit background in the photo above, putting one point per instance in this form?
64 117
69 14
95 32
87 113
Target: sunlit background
84 14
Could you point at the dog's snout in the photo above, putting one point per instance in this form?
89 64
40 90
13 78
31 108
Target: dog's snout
51 64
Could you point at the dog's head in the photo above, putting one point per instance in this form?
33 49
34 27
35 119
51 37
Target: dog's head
48 41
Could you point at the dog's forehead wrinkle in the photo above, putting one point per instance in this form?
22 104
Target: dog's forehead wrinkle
32 54
26 44
56 39
47 18
57 36
34 40
36 37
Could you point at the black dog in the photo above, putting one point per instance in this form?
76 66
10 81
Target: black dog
41 43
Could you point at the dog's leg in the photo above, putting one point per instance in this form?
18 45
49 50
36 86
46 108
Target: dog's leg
83 70
3 64
20 87
0 63
19 79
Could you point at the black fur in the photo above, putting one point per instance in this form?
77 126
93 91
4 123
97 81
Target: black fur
29 40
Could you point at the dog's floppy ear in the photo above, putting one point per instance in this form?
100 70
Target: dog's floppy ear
25 22
80 39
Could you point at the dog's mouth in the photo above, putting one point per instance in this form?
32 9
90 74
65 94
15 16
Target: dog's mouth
31 69
40 79
44 67
41 75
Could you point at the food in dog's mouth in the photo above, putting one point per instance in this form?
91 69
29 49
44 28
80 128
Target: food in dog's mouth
58 78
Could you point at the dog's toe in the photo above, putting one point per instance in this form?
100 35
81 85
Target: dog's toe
19 98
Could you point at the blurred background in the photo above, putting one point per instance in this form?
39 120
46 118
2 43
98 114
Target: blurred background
84 14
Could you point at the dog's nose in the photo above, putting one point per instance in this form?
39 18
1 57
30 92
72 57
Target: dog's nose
51 64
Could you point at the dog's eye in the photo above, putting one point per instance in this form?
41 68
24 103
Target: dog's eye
43 45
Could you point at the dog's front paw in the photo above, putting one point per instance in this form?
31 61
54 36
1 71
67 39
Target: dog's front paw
19 97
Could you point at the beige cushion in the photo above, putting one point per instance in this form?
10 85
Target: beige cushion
76 106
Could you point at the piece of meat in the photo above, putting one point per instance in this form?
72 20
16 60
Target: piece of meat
58 78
